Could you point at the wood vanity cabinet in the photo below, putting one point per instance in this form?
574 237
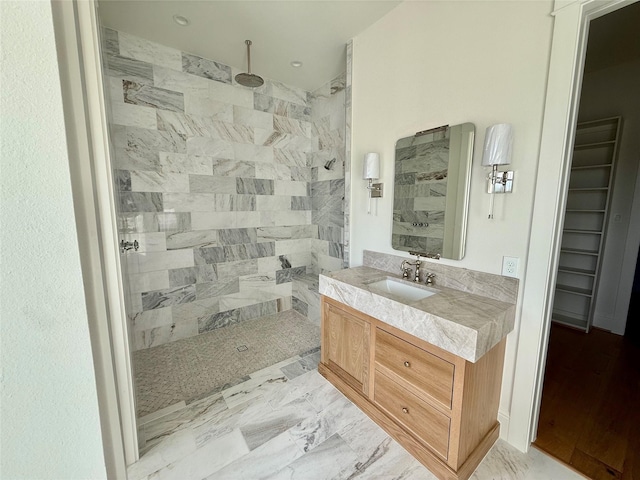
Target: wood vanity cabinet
440 407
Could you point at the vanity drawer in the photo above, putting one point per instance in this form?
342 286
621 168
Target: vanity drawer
415 415
423 370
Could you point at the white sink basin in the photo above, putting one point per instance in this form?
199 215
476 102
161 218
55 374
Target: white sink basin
400 289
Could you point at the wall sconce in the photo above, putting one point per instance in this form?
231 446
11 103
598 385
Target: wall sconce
371 171
498 146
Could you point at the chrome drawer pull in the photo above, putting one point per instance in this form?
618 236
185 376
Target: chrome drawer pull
407 364
405 410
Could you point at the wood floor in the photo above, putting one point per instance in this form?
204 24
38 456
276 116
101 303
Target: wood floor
590 414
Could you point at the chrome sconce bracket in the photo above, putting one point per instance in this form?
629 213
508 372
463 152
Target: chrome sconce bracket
500 182
375 189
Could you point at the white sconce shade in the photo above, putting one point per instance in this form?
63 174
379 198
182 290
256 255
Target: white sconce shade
498 145
371 168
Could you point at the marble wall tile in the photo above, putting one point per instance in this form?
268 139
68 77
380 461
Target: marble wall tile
233 168
198 103
152 319
288 274
290 157
197 202
109 40
145 282
180 82
213 220
138 222
230 94
166 298
164 334
284 247
221 174
194 310
287 187
133 115
217 288
122 180
255 186
253 153
148 96
155 141
143 181
191 239
210 147
210 184
273 171
272 202
300 203
140 202
206 68
249 251
127 68
252 118
237 269
152 261
147 51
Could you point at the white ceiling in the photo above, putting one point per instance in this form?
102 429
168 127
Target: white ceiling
314 32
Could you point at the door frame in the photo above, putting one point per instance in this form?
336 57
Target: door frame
79 59
566 67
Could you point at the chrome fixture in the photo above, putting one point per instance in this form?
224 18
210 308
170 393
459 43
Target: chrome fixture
329 164
249 79
126 246
405 268
371 171
429 278
498 146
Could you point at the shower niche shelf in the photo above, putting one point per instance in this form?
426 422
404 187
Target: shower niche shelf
585 224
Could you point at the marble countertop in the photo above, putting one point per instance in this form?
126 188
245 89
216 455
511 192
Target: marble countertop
461 323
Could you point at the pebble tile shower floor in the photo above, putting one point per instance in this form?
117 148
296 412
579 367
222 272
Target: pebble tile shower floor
192 368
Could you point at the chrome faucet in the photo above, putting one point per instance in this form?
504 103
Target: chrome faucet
405 269
429 278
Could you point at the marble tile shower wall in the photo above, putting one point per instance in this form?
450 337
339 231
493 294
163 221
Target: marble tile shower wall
216 181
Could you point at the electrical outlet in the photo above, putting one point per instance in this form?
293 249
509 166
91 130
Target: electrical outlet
510 266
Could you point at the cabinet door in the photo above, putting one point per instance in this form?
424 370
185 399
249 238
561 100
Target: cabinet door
345 344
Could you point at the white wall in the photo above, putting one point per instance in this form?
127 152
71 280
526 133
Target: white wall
427 64
50 422
608 93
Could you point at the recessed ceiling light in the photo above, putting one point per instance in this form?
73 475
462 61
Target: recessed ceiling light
180 20
296 63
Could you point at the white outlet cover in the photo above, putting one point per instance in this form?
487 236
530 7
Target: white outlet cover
510 267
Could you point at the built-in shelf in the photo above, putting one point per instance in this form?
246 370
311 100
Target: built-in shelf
569 320
590 167
578 251
577 271
576 230
574 290
590 186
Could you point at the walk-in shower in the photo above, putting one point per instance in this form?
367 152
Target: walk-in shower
236 199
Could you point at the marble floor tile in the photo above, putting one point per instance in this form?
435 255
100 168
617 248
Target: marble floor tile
324 462
205 460
261 462
302 428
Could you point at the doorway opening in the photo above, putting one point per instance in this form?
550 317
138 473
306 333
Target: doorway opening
588 416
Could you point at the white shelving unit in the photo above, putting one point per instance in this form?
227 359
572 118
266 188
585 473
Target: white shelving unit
585 223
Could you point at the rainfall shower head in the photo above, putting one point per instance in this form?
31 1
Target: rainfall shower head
249 79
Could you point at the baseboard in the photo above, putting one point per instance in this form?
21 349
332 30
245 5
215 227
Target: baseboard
504 419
